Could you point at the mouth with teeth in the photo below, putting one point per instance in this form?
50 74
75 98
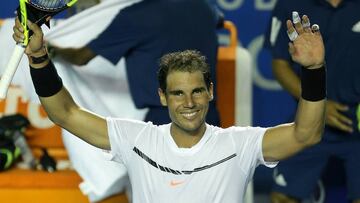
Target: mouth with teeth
189 115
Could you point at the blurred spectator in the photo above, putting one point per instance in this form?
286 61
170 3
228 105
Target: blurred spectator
296 178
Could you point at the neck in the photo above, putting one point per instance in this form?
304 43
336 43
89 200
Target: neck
334 3
184 138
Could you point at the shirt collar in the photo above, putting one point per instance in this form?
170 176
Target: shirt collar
326 3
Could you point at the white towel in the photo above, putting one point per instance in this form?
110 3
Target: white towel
99 86
78 30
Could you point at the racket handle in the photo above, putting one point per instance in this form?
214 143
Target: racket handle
10 70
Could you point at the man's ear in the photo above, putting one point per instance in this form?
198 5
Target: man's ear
162 97
211 92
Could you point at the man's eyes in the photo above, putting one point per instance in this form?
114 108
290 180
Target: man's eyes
195 92
178 93
198 91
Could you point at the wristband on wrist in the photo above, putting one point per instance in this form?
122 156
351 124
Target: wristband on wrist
46 80
40 59
313 84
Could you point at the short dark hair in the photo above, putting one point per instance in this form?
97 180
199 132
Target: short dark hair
185 61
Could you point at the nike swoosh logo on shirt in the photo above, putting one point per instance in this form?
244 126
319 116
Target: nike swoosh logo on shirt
174 183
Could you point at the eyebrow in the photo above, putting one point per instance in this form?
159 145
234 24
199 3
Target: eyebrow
199 89
176 92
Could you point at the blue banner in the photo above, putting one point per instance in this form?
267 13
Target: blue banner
8 8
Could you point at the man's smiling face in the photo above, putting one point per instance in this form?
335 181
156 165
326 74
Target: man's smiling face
187 98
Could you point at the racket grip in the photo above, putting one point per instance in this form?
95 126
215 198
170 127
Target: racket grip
10 70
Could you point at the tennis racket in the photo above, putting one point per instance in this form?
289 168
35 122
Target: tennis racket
37 11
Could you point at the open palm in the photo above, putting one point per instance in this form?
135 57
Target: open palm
308 48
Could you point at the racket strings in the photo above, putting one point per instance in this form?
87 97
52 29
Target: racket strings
49 5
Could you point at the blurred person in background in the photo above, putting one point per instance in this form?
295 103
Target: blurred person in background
296 178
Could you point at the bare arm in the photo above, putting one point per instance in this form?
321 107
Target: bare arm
88 126
60 106
285 140
76 56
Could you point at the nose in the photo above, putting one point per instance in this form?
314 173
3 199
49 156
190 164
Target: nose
189 102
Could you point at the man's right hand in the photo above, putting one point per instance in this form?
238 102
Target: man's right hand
335 118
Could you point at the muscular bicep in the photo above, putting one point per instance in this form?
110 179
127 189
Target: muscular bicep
285 140
280 142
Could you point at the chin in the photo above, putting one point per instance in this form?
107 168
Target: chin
188 125
192 127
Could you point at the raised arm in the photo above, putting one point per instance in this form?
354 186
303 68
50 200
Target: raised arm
306 49
290 81
56 100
